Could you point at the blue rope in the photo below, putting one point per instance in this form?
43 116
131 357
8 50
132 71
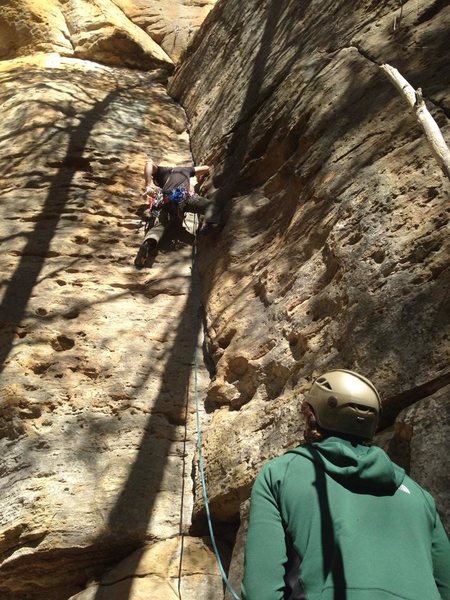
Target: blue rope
199 446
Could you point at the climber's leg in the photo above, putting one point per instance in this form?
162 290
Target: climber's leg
152 239
204 206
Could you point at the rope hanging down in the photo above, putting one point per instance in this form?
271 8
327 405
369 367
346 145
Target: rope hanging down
201 468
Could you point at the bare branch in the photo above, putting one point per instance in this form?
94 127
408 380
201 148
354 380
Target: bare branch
423 116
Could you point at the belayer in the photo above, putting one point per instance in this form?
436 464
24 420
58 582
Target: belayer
168 190
335 519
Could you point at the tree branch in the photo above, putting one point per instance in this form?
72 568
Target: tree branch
423 116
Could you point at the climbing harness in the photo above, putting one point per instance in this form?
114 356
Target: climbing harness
178 196
173 201
155 204
201 467
156 199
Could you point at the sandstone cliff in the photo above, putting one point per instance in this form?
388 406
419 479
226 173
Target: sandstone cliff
133 33
335 250
334 253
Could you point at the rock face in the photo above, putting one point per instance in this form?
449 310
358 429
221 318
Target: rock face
416 442
335 250
171 24
168 569
96 397
334 253
132 33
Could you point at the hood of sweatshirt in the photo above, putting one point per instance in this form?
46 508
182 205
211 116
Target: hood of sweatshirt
359 468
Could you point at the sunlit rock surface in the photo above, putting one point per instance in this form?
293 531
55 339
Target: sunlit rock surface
96 392
133 33
334 253
171 24
170 569
97 31
335 249
29 26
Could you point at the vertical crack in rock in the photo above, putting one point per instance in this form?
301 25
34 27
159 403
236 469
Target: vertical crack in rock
326 259
395 404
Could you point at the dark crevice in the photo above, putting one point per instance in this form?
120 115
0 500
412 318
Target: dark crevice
432 11
208 360
353 148
393 405
439 104
366 54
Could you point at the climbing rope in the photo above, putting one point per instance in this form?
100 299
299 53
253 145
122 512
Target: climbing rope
201 467
183 486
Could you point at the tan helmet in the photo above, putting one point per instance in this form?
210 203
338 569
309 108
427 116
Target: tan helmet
346 402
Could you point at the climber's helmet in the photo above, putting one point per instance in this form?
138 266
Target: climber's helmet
345 402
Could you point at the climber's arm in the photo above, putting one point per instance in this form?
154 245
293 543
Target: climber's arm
201 172
149 172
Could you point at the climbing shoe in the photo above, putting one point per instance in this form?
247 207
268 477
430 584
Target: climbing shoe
143 253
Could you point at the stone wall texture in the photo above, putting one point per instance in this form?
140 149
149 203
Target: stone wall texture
134 33
96 414
335 249
334 253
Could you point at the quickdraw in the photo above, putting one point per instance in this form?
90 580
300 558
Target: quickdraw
178 196
156 199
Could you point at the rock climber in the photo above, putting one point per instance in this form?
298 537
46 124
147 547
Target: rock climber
335 519
174 181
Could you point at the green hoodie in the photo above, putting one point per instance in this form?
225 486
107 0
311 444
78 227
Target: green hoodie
340 521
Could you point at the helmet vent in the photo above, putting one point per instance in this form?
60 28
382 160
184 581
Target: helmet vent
324 382
361 408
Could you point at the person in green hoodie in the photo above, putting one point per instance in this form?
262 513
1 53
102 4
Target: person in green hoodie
336 519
